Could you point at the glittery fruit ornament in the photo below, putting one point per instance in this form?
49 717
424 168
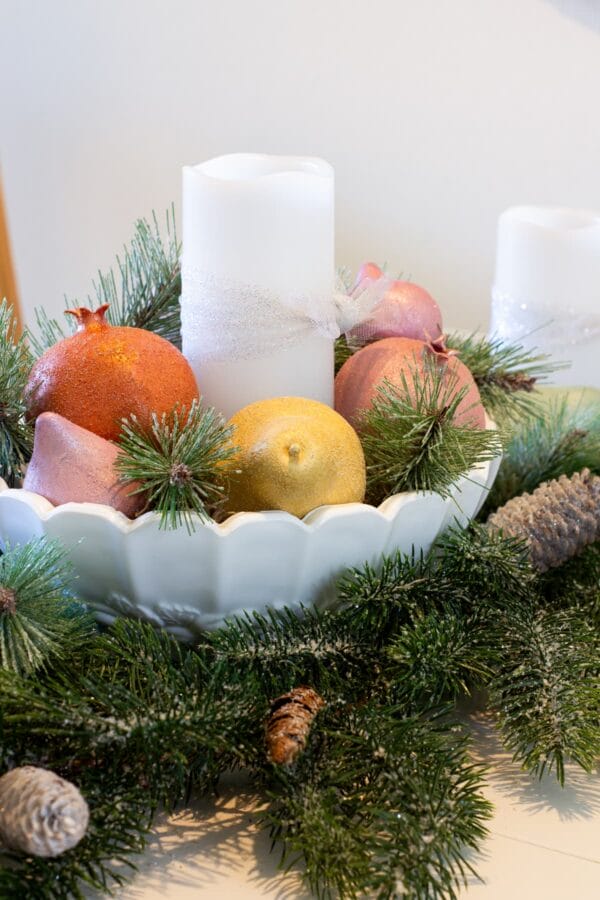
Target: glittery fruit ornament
395 360
104 373
293 454
71 464
406 310
369 271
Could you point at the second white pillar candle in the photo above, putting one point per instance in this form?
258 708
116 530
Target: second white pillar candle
547 286
258 278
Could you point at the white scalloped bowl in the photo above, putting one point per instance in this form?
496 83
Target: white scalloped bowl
190 582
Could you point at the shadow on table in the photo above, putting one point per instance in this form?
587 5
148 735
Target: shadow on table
208 843
578 799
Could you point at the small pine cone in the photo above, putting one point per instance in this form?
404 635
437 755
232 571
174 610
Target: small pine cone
289 723
41 814
557 520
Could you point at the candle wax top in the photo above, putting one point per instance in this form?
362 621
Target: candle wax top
250 166
552 218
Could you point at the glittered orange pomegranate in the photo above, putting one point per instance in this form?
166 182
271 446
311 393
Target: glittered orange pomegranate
397 360
105 372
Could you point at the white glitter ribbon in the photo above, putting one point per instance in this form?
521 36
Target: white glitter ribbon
226 319
513 318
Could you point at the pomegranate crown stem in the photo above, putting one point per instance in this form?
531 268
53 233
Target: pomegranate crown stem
88 319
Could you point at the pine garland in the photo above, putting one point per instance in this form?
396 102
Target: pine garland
397 820
546 690
135 709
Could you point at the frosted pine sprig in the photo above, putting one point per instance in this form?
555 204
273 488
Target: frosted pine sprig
178 462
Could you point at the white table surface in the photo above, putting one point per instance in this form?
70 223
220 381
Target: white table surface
544 841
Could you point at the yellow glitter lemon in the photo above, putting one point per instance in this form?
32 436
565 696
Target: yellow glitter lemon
293 454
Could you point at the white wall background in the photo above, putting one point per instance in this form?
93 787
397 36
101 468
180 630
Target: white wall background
436 114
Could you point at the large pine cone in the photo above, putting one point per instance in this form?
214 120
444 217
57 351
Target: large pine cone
41 814
558 520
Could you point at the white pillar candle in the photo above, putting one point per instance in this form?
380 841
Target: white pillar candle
258 278
547 286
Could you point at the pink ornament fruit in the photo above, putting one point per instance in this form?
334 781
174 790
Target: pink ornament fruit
369 271
71 464
406 310
395 360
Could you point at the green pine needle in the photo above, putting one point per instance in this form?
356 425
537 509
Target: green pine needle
16 436
559 440
380 601
49 331
178 464
438 657
342 352
39 622
547 690
493 573
380 805
506 374
576 585
142 292
284 648
412 442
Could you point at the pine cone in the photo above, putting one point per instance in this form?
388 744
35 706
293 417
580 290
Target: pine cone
289 723
557 520
41 814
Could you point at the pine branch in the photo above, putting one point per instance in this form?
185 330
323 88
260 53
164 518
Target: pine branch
412 441
379 803
49 331
560 440
576 585
149 281
547 690
438 657
380 602
179 465
16 436
284 648
506 374
39 622
493 572
142 292
140 701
